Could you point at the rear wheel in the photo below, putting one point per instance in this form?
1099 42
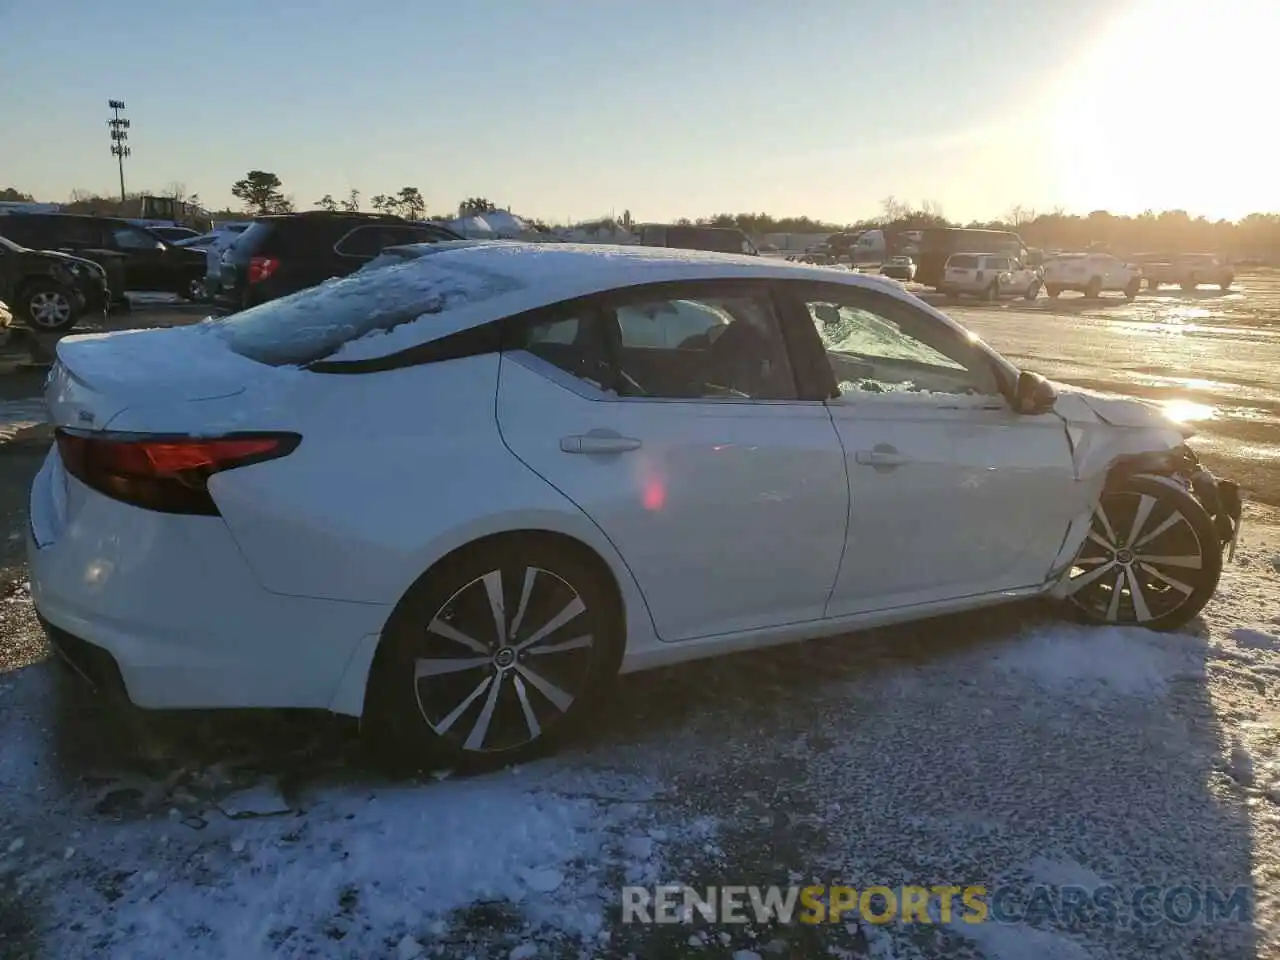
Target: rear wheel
1226 283
49 306
1093 290
492 655
1033 290
1131 291
1151 558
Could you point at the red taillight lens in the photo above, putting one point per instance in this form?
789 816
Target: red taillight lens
166 474
260 268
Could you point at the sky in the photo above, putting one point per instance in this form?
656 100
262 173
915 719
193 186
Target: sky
571 109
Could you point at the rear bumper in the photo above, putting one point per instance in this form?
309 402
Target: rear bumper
93 663
164 609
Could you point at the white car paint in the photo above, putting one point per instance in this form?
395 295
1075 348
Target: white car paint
728 524
1077 271
977 274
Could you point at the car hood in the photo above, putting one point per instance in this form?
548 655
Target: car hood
62 257
1079 405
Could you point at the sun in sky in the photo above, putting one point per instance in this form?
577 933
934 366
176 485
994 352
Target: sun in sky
1172 107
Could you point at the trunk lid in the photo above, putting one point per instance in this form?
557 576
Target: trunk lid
170 376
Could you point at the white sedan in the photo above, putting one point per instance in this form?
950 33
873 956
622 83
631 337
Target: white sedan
456 492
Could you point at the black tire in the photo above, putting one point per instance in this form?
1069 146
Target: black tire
1171 591
992 293
1226 283
439 719
1093 290
1033 290
1153 285
1053 291
48 306
1131 291
1188 285
192 290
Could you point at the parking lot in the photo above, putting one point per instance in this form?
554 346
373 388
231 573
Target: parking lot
1004 748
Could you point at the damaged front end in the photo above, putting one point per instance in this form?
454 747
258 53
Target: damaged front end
1220 498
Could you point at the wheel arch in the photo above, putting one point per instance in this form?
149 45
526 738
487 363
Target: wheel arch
634 620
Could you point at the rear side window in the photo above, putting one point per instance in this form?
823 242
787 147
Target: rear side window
963 262
258 237
316 323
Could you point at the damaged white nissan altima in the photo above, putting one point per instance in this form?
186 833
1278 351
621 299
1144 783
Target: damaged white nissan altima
456 492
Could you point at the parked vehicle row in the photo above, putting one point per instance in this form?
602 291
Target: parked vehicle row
989 276
1187 271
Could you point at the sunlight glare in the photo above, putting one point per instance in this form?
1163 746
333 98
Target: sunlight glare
1186 411
1167 109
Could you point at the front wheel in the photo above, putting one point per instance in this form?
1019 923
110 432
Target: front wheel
1033 290
992 293
1094 289
1151 558
193 290
1131 291
1226 283
49 306
493 654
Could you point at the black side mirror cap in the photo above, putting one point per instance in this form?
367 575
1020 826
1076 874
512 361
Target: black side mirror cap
1033 394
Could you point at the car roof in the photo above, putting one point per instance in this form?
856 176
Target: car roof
528 276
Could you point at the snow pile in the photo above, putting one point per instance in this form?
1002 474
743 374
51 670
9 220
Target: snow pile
359 870
1120 660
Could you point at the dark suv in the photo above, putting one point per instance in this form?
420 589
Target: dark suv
50 291
284 253
141 259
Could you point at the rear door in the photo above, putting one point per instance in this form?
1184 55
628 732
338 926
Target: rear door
672 418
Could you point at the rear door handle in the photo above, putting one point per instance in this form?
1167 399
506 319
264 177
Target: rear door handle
881 458
598 443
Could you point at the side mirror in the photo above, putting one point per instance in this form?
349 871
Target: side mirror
1033 394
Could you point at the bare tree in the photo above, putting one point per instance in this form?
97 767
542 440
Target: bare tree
352 203
1019 215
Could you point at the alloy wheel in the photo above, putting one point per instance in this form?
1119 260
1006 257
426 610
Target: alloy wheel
49 308
503 659
1141 561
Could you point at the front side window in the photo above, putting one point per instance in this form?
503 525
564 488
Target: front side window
129 238
703 347
879 344
361 242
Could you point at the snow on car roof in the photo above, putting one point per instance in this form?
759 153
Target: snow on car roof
507 277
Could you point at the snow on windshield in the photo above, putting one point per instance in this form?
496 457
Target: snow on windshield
316 323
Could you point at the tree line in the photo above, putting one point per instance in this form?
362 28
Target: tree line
1254 236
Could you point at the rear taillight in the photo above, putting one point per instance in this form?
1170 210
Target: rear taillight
260 268
163 473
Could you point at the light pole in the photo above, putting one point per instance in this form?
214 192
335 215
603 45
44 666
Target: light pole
119 138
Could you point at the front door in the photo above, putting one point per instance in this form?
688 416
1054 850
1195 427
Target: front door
952 494
671 418
146 266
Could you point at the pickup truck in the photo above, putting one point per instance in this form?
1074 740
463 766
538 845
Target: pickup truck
1187 271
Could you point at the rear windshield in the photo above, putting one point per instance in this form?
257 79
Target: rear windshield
963 261
253 236
317 322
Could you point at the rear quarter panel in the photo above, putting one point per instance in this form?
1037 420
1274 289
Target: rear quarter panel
395 470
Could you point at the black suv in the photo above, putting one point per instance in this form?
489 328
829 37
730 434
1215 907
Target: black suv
50 291
141 259
284 253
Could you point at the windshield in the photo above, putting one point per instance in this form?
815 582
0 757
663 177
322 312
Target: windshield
315 323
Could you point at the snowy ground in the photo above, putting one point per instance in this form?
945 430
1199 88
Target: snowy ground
1000 748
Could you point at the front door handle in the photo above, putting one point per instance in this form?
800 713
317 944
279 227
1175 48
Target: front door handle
881 457
598 443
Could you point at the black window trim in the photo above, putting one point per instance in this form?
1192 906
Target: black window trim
815 382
